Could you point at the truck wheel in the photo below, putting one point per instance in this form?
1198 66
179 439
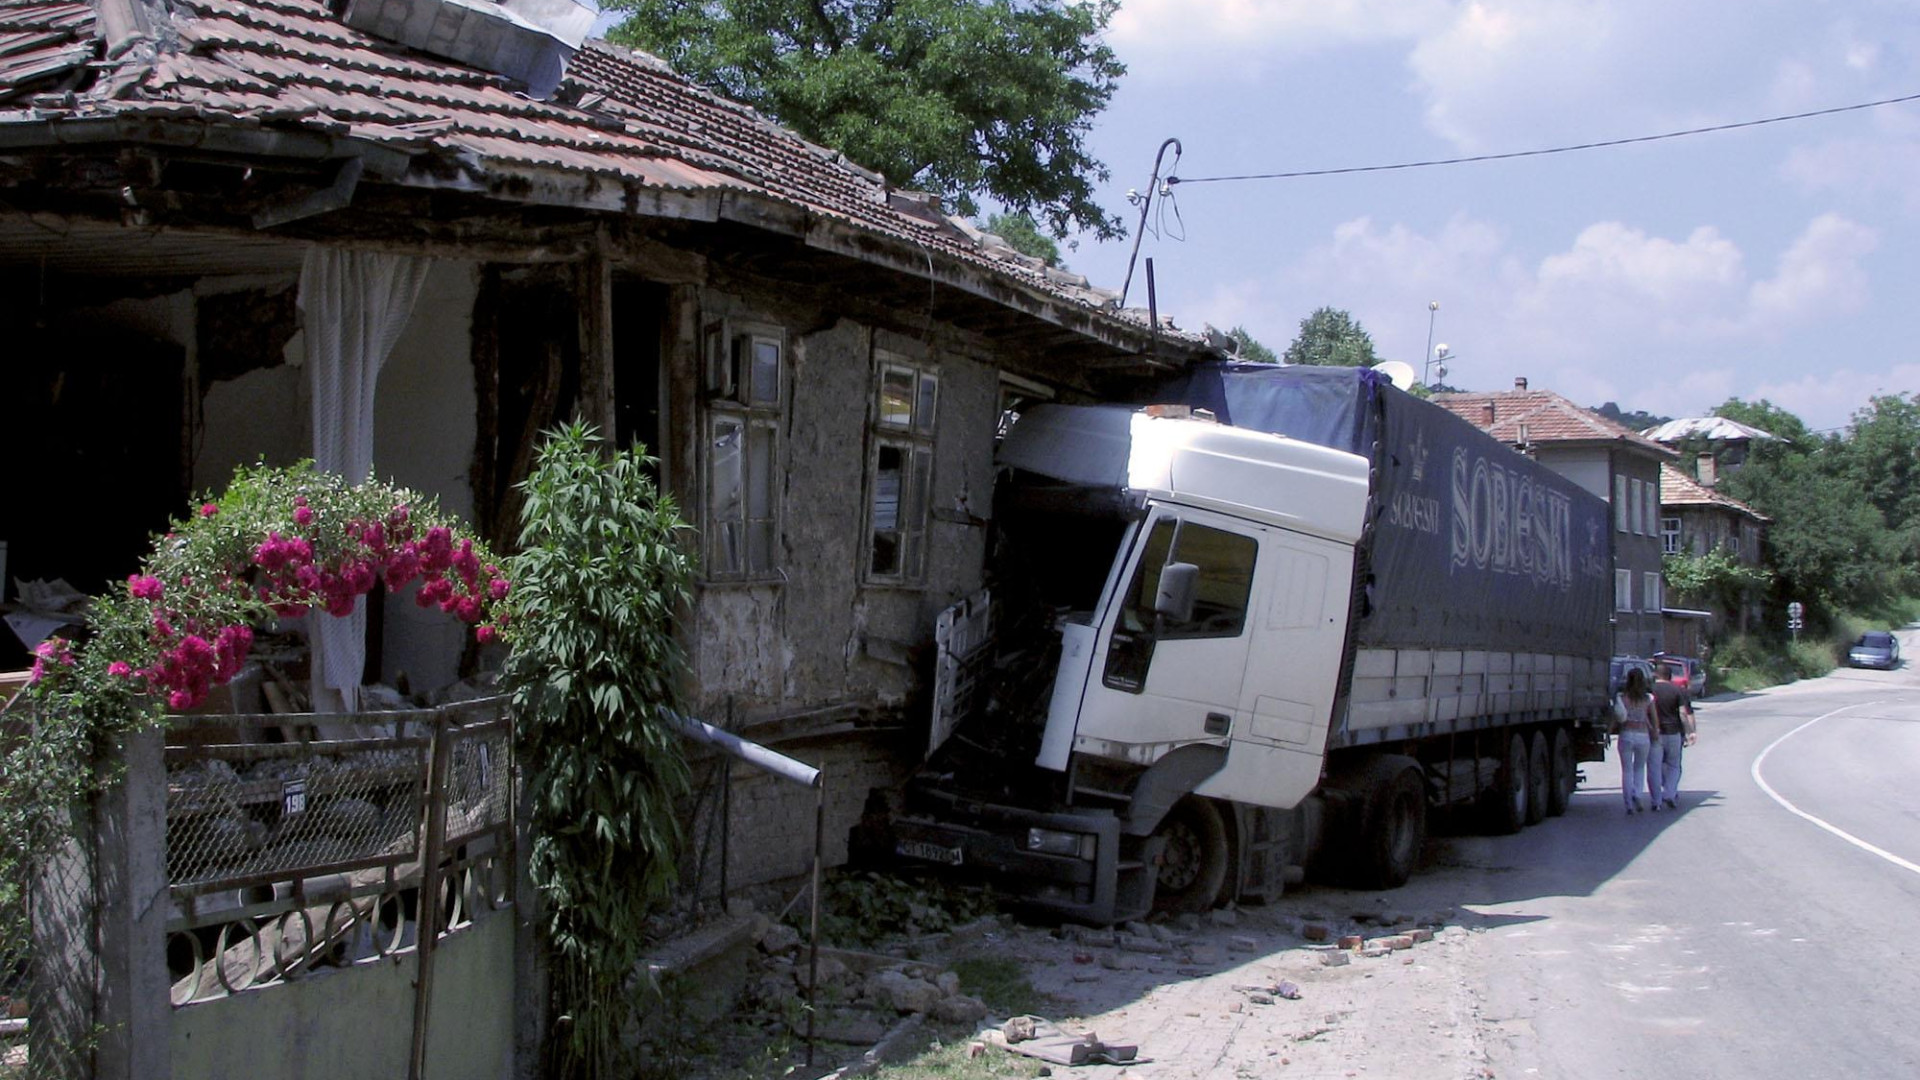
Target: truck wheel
1560 791
1194 864
1507 802
1393 827
1539 777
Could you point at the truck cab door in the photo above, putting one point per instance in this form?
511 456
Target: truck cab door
1171 651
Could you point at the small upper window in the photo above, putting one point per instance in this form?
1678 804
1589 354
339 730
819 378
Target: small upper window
900 469
744 369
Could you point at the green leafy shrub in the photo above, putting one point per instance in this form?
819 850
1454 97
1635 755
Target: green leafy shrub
594 674
859 909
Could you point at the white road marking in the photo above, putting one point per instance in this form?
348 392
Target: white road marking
1792 809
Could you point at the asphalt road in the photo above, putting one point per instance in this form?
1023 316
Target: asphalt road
1767 930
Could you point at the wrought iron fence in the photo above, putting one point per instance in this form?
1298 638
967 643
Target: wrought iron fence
296 843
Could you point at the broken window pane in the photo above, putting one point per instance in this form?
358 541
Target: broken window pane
889 475
924 410
766 371
726 462
896 397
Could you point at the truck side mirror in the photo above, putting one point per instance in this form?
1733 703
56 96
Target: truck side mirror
1174 599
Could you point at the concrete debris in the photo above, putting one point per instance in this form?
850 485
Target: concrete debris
902 992
1224 917
1336 958
1242 943
779 938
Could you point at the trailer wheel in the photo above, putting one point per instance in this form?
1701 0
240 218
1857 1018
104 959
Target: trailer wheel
1506 803
1539 778
1193 866
1393 825
1560 792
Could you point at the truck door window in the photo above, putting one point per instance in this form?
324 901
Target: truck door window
1225 560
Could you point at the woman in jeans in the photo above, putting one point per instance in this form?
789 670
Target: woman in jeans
1636 725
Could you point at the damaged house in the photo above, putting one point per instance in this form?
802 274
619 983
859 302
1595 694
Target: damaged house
278 229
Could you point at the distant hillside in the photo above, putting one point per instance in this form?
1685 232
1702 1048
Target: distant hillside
1638 421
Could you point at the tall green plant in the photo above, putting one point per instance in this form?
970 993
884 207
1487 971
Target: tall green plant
594 673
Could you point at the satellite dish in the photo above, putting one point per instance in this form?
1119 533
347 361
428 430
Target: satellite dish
1399 372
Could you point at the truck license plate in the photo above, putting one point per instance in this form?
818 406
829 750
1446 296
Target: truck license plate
920 849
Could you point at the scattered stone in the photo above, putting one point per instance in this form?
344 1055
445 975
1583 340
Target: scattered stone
1391 941
975 1049
1235 1007
1316 931
902 992
959 1009
1351 941
1136 943
1020 1028
1137 929
1116 962
1260 999
948 982
1223 917
1205 955
855 1026
1420 934
1083 958
1087 976
1287 990
1164 933
1372 952
1187 920
1243 943
1336 958
779 938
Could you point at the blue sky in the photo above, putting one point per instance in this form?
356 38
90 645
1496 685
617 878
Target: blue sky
1775 262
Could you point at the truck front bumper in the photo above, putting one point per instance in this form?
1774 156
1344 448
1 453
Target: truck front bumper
995 842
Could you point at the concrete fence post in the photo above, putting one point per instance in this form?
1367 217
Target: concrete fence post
132 991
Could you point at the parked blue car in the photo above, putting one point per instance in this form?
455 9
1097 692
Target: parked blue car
1875 649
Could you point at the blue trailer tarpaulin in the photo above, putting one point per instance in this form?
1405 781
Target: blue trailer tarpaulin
1528 566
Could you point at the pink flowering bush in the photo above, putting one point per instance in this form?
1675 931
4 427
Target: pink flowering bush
279 542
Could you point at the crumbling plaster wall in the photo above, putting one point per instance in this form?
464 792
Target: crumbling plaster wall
823 634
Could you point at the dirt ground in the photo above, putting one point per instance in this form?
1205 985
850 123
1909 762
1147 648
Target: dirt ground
1324 982
1214 997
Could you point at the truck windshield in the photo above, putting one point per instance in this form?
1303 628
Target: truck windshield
1225 560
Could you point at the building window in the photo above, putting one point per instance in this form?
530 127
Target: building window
1653 506
744 382
1619 503
1623 590
1636 505
900 469
1670 535
1652 600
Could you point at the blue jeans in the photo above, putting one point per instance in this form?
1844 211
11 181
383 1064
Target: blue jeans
1663 768
1635 750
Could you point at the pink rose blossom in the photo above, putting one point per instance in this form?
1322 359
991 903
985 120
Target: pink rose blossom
145 587
485 635
303 515
207 510
120 669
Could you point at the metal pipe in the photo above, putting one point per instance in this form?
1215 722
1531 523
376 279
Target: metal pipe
813 948
1145 202
750 752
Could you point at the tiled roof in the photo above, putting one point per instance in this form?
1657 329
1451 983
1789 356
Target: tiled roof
1540 416
1679 489
622 127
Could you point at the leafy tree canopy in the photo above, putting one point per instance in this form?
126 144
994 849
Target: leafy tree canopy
1251 349
1331 337
1023 233
967 98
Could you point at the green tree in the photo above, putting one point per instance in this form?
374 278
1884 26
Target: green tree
1024 235
1251 349
967 98
1636 420
1333 338
1881 454
594 675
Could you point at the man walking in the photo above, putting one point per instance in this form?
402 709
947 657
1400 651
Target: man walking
1675 709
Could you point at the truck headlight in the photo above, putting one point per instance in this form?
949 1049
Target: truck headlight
1054 842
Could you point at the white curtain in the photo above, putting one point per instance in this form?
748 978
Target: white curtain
355 304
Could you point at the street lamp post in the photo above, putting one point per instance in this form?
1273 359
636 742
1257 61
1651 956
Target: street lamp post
1433 309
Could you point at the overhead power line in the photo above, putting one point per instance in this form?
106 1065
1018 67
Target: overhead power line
1548 150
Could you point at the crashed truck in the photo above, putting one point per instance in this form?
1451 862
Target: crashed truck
1263 628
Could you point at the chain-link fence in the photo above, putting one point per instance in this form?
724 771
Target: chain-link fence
293 848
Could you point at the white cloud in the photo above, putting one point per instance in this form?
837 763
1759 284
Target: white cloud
1200 39
1820 275
1671 325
